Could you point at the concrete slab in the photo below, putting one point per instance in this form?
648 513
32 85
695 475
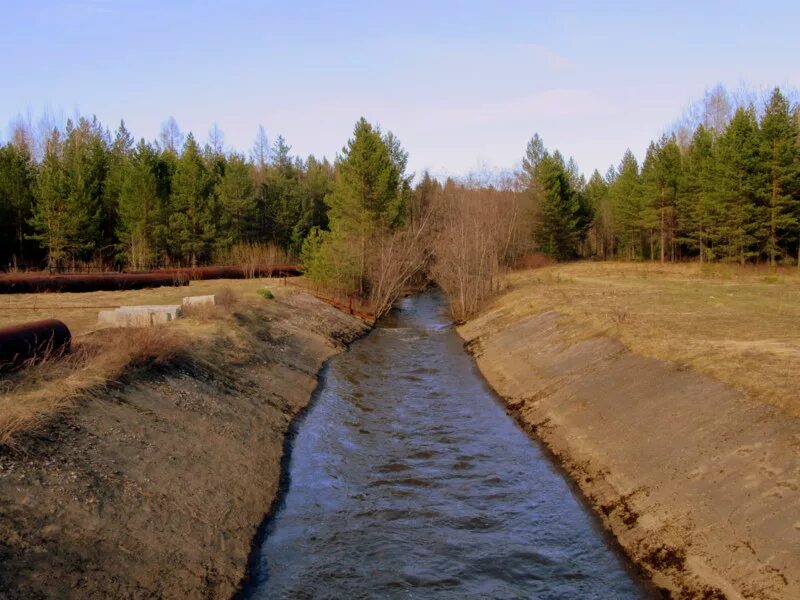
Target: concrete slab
199 301
139 316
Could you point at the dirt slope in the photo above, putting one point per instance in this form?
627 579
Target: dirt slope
156 489
700 484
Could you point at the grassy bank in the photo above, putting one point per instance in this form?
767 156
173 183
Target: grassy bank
103 356
740 325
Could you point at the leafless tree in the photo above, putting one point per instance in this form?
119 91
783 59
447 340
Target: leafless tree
171 136
216 139
260 153
479 232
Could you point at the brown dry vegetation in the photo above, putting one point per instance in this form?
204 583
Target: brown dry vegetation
100 358
740 325
478 233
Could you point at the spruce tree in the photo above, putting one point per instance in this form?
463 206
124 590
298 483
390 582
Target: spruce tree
558 232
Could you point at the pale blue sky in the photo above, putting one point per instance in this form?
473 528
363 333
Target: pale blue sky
462 83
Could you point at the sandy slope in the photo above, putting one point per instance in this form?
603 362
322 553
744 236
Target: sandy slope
157 489
700 484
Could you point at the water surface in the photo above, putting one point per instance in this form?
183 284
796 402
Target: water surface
408 480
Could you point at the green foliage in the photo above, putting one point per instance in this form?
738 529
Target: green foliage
628 207
54 223
94 198
368 199
730 193
557 188
191 224
17 177
138 208
781 155
740 185
266 293
235 193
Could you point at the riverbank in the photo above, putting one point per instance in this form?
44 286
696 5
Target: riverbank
698 480
154 484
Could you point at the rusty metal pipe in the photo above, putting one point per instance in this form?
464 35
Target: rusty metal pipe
32 284
31 342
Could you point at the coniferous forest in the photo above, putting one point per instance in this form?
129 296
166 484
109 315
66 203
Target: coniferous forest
724 185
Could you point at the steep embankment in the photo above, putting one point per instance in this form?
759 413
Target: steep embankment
156 488
700 484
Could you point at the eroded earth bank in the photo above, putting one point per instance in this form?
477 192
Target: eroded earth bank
156 487
699 483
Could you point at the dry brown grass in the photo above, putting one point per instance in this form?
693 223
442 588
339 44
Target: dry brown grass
740 325
31 396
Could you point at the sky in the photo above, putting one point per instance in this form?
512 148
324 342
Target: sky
463 84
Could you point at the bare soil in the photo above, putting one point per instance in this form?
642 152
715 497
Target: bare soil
155 487
699 482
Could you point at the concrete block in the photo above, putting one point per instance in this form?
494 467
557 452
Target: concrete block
116 318
139 316
200 301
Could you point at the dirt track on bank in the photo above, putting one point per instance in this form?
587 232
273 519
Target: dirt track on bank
699 483
156 488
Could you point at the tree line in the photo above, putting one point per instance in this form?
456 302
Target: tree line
93 198
724 188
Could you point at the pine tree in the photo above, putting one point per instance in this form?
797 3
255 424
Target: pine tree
780 154
316 184
191 224
85 164
627 206
138 208
236 195
119 157
17 177
602 227
740 185
661 174
367 200
54 223
696 202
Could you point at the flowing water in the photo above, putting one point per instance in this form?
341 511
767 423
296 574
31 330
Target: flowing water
408 480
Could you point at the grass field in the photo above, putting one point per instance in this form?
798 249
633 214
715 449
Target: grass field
740 325
79 311
99 357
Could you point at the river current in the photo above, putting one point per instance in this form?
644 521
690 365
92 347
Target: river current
407 479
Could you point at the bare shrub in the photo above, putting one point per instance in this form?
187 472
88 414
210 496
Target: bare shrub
250 256
479 233
395 259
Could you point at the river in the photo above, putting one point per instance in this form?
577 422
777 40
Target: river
408 480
